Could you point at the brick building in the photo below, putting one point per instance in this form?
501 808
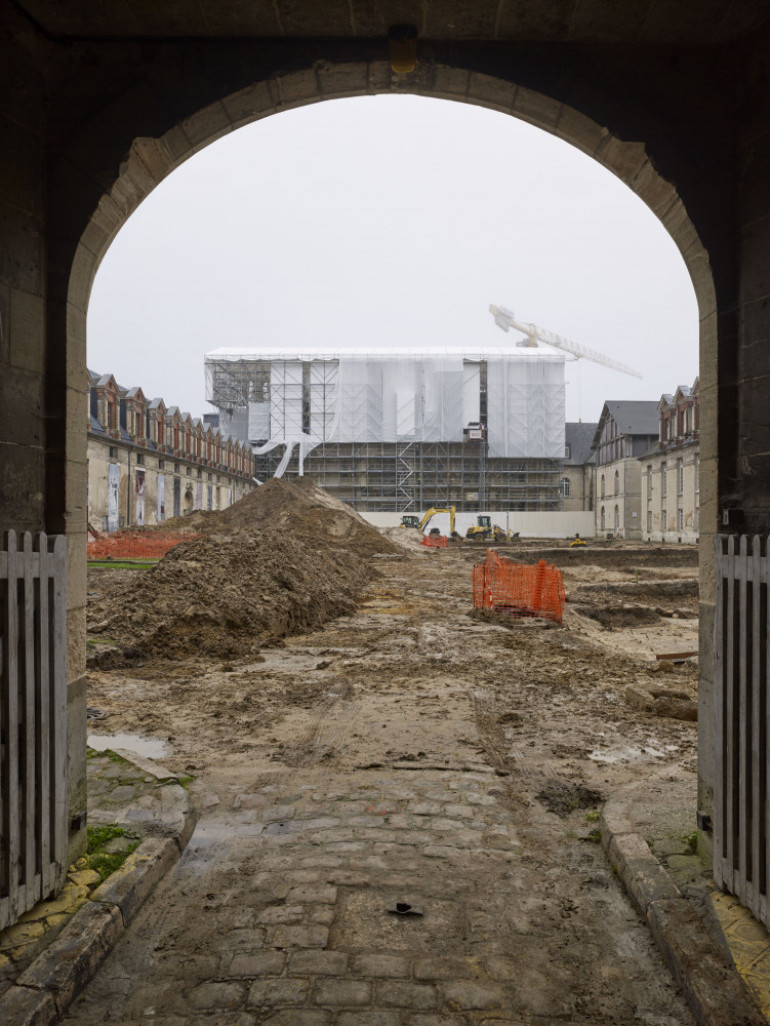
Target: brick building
148 461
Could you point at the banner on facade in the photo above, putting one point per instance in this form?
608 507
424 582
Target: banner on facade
113 483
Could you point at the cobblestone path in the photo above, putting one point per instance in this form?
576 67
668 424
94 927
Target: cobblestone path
295 882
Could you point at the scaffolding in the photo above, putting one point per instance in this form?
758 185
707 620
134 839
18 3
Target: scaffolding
402 430
388 477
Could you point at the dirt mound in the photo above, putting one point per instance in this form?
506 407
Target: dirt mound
276 563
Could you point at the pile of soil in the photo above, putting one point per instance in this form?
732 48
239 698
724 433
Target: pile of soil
285 558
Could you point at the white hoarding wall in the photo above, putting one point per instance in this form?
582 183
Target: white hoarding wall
393 396
545 524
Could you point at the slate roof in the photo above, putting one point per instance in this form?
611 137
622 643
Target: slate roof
578 437
633 417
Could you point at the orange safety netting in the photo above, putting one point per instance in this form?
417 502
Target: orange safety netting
435 541
518 590
135 544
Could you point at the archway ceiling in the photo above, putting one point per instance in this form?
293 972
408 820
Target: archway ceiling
641 22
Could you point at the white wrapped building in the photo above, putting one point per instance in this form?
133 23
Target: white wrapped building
401 429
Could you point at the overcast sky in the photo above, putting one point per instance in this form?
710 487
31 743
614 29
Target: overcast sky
391 220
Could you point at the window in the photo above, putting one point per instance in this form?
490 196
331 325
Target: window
176 468
679 476
567 452
140 458
602 490
199 473
680 519
161 464
617 518
617 482
564 487
113 452
604 524
663 479
649 520
697 473
663 520
649 483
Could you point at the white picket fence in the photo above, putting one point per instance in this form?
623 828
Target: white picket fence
741 806
33 721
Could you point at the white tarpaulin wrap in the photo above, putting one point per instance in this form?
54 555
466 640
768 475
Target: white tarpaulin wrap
312 396
525 408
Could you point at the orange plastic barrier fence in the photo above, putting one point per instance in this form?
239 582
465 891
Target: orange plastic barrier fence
435 541
135 544
518 590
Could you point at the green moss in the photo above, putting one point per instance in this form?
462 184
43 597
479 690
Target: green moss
691 842
105 862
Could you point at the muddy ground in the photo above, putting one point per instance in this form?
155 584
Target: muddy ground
411 679
572 690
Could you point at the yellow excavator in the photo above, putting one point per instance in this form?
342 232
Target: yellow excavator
410 520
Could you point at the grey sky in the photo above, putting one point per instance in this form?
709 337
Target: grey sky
391 220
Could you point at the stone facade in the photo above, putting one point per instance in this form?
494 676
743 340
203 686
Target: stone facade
626 430
671 471
148 462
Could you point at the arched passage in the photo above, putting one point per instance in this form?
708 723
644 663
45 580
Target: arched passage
151 159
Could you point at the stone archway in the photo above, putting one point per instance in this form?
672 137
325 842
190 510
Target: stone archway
150 160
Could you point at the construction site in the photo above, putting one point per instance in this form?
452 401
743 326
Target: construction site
400 430
368 724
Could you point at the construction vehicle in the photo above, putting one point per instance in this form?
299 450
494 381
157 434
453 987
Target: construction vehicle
434 511
506 320
576 542
485 531
410 520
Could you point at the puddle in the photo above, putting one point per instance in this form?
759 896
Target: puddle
147 747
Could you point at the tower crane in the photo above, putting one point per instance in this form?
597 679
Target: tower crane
505 319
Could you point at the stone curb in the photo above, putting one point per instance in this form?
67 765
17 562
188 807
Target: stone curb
44 991
713 989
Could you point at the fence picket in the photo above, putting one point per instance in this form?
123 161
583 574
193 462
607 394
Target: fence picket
730 795
42 682
757 734
743 737
719 717
58 662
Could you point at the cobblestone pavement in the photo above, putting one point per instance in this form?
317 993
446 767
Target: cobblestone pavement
280 912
